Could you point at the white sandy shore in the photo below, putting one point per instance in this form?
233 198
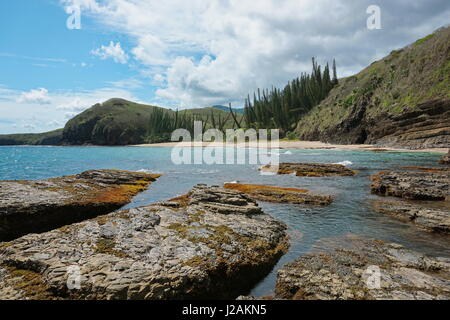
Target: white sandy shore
292 145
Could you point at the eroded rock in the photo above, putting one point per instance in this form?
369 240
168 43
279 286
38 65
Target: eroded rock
309 169
349 273
280 195
415 185
446 158
210 243
429 217
33 206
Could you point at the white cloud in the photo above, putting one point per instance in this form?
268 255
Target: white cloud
218 51
39 96
24 115
113 51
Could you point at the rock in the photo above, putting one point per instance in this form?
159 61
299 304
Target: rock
280 195
416 185
210 243
351 273
428 217
309 169
446 158
33 206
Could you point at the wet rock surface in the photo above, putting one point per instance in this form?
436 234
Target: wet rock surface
424 191
309 169
279 194
446 158
433 184
210 243
350 273
429 217
33 206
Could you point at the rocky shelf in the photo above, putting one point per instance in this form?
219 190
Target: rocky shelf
424 193
211 243
34 206
349 273
279 194
431 217
446 158
309 169
421 184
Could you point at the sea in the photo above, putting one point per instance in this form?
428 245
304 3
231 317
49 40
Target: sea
309 227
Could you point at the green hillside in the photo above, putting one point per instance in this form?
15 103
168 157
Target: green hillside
122 122
402 99
46 138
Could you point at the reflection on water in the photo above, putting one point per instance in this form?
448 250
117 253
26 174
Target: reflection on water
350 213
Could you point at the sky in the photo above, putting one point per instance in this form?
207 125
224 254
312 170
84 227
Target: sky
184 54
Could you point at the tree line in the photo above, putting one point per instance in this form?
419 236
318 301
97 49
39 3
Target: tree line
282 109
270 109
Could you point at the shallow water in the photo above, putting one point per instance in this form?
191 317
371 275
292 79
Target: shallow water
350 213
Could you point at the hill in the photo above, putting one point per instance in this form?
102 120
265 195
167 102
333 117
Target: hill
400 100
224 108
46 138
122 122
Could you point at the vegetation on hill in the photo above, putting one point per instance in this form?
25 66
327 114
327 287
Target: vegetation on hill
283 108
46 138
402 99
122 122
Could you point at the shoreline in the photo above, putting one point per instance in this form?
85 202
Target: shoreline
300 145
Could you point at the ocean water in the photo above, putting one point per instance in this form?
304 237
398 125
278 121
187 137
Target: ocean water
350 213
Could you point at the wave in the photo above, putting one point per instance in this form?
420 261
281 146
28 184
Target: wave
344 163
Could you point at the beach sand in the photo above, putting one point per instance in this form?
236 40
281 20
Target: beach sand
293 145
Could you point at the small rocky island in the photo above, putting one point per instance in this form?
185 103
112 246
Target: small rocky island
211 243
309 169
279 194
33 206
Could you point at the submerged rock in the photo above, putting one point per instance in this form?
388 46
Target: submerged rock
309 169
433 184
210 243
33 206
280 195
429 217
352 273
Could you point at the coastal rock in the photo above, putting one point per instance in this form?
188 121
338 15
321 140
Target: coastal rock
309 169
446 158
280 195
210 243
352 273
33 206
431 184
428 217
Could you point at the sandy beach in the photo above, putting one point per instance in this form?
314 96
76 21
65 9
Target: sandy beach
293 145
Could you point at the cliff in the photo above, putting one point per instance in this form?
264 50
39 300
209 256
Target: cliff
400 100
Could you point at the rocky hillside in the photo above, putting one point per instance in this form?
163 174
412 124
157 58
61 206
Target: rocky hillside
400 100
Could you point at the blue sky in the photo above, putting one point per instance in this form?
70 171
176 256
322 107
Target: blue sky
183 54
38 50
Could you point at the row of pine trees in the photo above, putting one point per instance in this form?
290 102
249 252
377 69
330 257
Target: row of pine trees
270 109
282 109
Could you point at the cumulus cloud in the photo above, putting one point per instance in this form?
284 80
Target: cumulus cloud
62 105
203 52
113 51
39 96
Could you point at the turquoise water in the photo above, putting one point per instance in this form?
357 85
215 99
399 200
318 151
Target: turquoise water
350 213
